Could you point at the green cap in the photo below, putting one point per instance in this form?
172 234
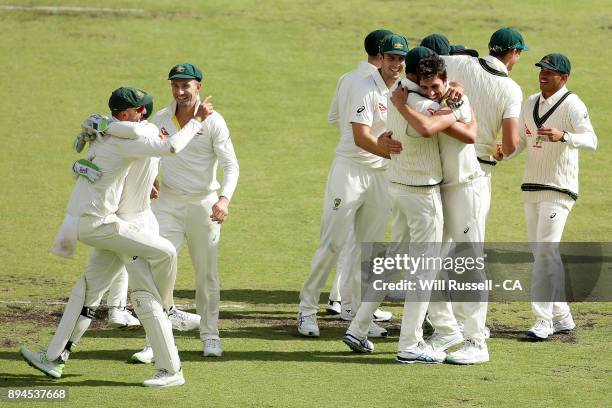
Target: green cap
394 44
149 109
556 62
373 40
506 39
437 43
415 56
127 97
185 71
459 49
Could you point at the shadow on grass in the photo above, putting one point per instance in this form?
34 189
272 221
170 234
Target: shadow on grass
39 380
254 296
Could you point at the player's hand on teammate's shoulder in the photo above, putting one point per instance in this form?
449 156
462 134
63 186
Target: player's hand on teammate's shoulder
455 91
220 210
205 109
399 96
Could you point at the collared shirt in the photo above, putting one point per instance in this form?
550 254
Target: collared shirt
194 170
493 97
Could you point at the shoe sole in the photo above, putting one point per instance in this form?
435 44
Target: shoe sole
332 312
532 335
406 361
34 366
378 335
459 362
357 348
136 360
124 326
173 384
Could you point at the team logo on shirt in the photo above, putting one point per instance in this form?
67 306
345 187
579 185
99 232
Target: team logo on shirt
337 202
586 115
527 131
382 107
553 215
164 131
360 109
465 231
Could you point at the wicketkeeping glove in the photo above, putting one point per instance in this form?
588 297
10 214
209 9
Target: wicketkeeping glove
86 169
93 126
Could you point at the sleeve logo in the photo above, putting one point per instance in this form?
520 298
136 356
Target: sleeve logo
360 109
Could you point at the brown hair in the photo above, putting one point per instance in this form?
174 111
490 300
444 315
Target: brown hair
430 67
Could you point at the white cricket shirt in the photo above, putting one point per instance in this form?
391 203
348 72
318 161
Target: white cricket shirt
194 170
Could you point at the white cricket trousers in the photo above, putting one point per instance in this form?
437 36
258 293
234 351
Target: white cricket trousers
465 209
356 198
545 224
417 218
149 258
187 216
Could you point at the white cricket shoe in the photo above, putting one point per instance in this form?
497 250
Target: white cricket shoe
307 325
442 342
164 379
345 312
40 362
183 321
333 307
212 348
422 353
471 353
541 329
382 316
377 331
358 345
122 318
145 356
564 325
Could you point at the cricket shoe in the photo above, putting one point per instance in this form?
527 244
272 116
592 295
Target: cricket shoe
541 330
442 342
564 325
307 325
422 353
164 379
40 362
333 307
377 331
471 353
358 345
183 321
122 318
145 356
382 316
212 348
345 313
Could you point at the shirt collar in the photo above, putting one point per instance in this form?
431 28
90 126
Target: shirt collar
380 83
495 63
551 100
365 68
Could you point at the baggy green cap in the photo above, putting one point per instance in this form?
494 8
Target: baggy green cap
185 71
415 56
394 44
373 40
556 62
438 43
459 49
506 39
128 97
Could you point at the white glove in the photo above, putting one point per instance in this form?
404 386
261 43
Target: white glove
93 126
86 169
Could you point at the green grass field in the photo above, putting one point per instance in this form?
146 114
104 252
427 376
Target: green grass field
271 67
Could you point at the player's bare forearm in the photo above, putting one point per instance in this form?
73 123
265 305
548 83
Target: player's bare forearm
427 126
364 139
464 132
510 135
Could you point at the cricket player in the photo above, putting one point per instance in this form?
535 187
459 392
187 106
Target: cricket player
496 100
347 276
189 207
414 176
150 259
554 126
356 198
